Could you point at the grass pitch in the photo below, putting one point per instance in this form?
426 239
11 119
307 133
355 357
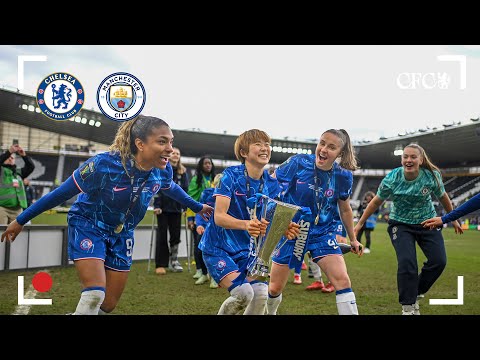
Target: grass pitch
373 281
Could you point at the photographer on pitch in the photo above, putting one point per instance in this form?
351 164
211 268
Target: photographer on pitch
12 190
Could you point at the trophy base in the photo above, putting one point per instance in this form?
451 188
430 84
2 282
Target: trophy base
259 272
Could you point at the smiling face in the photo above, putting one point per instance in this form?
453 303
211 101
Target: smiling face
411 161
328 150
156 149
258 153
175 157
253 146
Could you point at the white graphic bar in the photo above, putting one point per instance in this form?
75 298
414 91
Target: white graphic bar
22 301
21 67
458 301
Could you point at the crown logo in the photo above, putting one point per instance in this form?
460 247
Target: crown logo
120 93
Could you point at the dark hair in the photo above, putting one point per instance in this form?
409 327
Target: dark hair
199 170
139 128
368 193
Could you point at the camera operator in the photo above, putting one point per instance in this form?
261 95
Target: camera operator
12 191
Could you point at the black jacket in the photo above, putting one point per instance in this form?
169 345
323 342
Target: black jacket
26 170
30 193
167 204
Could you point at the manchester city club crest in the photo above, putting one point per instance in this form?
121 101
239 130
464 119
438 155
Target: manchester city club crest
60 96
121 96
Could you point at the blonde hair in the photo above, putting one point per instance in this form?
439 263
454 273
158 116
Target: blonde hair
348 159
427 163
139 128
180 168
216 179
247 138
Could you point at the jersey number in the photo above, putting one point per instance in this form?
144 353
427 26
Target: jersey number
333 243
129 243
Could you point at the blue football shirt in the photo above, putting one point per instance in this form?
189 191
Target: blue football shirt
107 191
233 185
332 185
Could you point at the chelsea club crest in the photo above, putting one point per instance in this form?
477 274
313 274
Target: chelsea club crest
60 96
121 96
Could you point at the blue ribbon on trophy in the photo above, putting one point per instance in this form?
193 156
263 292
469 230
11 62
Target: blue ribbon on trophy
301 241
279 215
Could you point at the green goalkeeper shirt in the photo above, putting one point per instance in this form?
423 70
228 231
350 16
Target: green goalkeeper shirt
412 201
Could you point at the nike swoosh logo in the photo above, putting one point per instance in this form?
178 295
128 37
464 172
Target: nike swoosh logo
239 194
301 182
119 189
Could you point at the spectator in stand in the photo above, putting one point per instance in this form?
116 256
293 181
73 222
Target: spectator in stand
169 216
204 174
30 192
13 198
369 225
466 208
207 198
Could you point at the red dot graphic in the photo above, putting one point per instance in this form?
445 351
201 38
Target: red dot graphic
42 282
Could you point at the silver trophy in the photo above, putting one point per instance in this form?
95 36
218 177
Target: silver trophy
279 215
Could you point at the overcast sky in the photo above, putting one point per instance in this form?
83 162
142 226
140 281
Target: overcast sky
295 91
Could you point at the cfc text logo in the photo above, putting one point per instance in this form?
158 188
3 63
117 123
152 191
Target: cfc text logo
42 282
433 80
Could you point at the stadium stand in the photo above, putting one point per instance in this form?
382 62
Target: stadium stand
59 147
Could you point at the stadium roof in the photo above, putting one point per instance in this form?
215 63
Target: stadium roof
453 145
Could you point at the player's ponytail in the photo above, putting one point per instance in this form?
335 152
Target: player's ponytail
347 155
427 163
121 143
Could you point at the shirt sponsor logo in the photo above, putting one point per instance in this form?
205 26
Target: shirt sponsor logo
301 240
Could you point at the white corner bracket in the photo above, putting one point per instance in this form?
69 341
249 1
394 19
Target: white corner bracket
23 301
462 59
457 301
21 67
